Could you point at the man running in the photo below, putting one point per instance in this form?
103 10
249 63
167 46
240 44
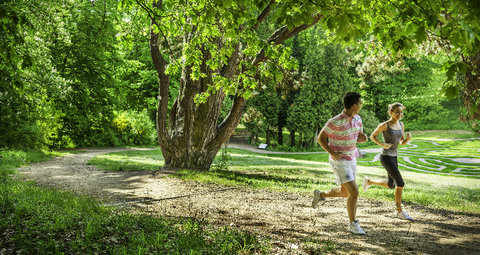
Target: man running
343 132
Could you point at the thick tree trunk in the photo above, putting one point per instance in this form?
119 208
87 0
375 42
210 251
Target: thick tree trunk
471 92
195 136
471 95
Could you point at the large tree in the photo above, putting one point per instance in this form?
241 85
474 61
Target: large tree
218 50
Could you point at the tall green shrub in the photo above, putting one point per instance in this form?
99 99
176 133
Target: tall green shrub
133 128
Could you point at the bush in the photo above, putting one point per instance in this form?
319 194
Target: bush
422 114
370 122
27 123
133 128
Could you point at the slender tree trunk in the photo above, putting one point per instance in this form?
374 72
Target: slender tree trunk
252 138
280 134
292 138
267 136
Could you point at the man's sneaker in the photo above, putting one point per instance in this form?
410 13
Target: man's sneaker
316 198
365 184
355 228
403 215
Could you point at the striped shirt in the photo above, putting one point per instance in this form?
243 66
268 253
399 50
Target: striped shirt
343 131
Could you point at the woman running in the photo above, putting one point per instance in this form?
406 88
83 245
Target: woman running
393 135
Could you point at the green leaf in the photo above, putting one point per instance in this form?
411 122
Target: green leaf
451 92
420 35
412 27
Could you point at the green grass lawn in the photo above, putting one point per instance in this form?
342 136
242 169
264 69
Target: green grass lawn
443 134
129 160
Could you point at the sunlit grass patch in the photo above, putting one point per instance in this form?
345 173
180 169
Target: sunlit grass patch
129 160
430 190
442 134
317 157
18 158
282 177
454 157
319 246
460 148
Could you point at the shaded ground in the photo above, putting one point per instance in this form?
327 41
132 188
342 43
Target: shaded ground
286 218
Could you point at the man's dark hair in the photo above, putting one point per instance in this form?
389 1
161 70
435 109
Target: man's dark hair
350 99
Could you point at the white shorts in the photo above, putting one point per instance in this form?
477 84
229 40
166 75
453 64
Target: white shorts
345 170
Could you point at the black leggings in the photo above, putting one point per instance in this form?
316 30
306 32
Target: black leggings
390 164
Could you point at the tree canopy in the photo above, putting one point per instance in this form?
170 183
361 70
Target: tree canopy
77 73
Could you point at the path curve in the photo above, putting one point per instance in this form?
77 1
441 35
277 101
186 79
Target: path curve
253 148
287 218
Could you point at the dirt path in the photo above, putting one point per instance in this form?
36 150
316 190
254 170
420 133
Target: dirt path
286 218
255 149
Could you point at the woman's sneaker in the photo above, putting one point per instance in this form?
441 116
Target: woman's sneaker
355 228
317 196
365 184
403 215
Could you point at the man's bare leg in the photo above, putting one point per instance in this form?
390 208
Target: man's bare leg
338 191
349 190
352 199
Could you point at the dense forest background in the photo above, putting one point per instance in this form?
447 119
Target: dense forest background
80 74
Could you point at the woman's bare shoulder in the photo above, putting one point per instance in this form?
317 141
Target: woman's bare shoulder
383 125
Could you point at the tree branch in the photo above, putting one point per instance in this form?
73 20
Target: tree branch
228 125
228 70
264 14
153 16
103 19
164 82
282 34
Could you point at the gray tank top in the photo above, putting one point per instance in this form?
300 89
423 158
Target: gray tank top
392 136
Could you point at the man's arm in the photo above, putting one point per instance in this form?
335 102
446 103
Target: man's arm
362 138
322 140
